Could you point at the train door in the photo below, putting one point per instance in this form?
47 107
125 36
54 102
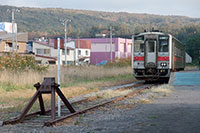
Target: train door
150 54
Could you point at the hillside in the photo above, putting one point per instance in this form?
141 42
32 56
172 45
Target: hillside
47 22
41 20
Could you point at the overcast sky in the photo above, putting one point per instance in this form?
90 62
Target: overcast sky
189 8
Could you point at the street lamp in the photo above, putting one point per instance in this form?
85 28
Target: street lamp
13 25
65 42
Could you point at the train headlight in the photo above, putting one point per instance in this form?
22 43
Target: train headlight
163 64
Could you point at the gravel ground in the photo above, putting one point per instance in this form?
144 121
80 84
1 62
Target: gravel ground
152 112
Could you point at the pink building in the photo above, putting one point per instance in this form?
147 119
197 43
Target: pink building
100 49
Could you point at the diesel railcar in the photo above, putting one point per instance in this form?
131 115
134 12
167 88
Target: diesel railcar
156 55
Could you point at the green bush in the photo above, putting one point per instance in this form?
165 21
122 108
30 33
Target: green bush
120 62
20 63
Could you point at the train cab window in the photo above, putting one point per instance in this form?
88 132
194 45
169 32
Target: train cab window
139 44
142 47
163 44
151 46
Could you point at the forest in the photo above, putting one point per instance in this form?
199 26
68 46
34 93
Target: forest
84 23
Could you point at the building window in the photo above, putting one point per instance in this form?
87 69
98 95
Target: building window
79 52
68 62
63 52
63 62
10 45
68 51
46 51
42 51
39 51
86 52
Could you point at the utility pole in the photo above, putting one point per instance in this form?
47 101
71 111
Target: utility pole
65 45
111 44
13 26
78 50
13 34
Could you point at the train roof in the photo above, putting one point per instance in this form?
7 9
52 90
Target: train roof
146 33
157 33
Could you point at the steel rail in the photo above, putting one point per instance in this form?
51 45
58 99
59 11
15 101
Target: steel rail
53 122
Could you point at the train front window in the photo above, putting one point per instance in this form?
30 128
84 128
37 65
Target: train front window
150 47
163 44
139 44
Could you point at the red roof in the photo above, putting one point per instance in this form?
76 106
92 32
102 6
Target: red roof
84 44
61 44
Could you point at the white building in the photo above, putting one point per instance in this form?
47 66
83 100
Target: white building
81 54
77 52
47 54
82 51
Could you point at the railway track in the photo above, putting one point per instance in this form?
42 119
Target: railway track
81 106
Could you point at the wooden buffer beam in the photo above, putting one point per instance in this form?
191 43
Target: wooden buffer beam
48 86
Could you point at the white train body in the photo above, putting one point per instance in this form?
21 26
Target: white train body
156 54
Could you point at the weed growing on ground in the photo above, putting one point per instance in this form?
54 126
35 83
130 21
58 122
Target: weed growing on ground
16 88
152 117
165 89
122 62
144 101
113 93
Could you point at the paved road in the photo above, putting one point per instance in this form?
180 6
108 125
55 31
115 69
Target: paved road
179 112
187 78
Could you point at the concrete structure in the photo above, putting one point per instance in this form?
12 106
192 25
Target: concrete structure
19 44
100 49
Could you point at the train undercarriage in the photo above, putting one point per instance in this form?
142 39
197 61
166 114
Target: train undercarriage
152 74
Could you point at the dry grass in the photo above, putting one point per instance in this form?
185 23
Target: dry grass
153 93
113 93
145 101
162 89
15 89
191 67
16 100
68 74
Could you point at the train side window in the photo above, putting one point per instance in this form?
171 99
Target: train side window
163 46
